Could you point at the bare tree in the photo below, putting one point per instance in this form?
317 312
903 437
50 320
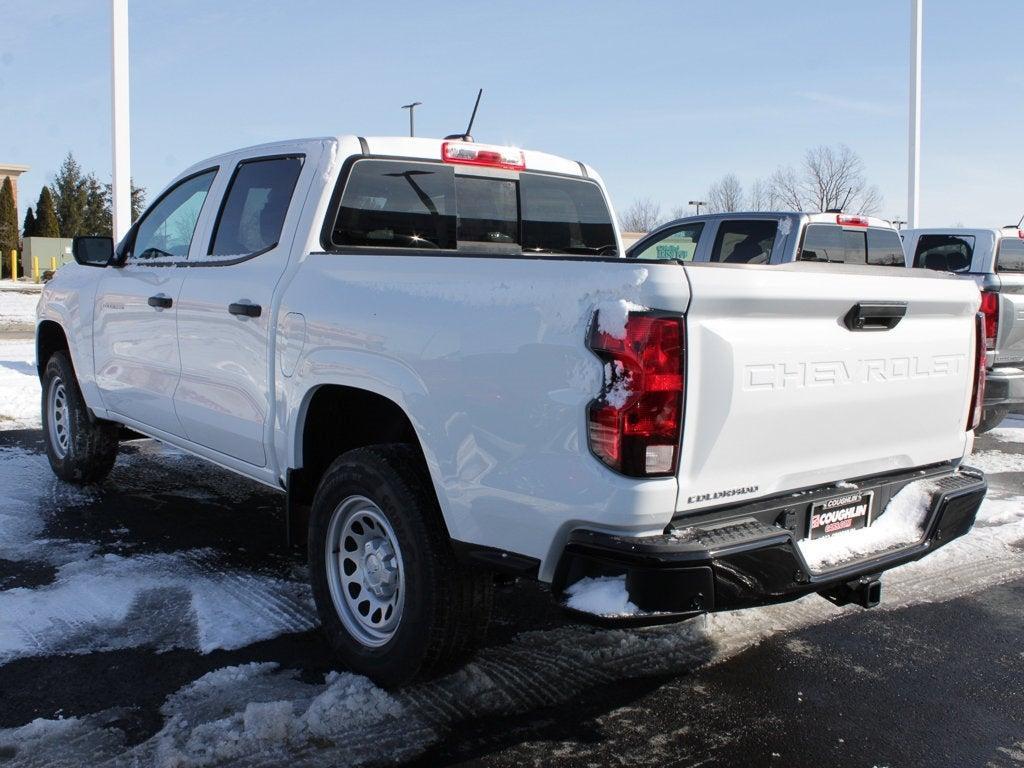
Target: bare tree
761 196
829 178
678 212
725 195
642 216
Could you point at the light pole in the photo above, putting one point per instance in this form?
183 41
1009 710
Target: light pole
121 183
898 223
698 203
411 108
914 141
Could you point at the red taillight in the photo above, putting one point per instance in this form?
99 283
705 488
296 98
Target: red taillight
468 153
990 309
851 221
636 423
978 393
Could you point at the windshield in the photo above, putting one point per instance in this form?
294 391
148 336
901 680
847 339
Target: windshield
390 203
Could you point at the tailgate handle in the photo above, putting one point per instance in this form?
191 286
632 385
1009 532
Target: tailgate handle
875 315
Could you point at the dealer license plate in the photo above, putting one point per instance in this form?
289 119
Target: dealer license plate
839 514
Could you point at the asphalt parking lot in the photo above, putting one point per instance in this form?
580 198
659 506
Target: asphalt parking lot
158 620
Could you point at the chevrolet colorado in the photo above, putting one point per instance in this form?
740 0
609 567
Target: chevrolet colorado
436 350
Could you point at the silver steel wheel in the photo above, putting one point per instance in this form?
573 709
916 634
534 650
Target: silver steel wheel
364 571
58 417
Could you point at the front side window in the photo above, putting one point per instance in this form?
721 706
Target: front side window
398 204
1010 257
945 253
165 231
253 211
832 243
885 249
677 245
744 242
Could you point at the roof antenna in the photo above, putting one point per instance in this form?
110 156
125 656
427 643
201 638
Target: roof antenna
467 135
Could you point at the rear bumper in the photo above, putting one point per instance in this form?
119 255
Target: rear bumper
1004 385
745 561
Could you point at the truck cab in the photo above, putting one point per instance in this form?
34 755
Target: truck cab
994 260
757 237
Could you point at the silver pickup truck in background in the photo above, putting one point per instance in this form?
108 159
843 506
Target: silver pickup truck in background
994 259
773 238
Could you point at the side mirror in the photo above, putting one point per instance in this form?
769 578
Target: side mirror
93 251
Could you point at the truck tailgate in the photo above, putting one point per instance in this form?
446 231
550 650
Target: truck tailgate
782 395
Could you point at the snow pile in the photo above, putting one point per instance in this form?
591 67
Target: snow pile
994 462
19 383
902 523
602 596
180 600
18 309
1001 511
613 314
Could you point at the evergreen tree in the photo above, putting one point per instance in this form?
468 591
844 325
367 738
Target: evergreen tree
70 197
28 228
96 218
138 200
46 216
8 225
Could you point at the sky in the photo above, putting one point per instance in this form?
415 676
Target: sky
662 98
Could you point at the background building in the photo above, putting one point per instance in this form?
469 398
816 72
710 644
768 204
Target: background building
12 171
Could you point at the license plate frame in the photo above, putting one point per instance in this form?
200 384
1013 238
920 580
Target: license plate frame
839 514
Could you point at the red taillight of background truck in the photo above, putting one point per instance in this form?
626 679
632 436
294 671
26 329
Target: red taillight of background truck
636 423
990 309
978 393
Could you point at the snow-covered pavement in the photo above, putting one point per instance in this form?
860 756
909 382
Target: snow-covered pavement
173 556
18 307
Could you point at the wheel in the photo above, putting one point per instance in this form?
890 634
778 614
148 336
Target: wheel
81 448
393 599
992 418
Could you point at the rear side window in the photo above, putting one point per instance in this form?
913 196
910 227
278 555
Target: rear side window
679 244
1010 257
945 253
832 243
254 207
744 242
400 204
885 249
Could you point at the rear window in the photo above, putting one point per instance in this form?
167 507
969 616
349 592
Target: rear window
1010 257
945 253
885 248
874 245
399 204
744 242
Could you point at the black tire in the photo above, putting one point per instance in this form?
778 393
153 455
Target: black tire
81 448
445 605
992 418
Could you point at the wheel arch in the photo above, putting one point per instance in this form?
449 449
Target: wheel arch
334 419
50 338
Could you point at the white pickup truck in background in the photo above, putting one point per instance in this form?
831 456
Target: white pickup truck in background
994 260
438 352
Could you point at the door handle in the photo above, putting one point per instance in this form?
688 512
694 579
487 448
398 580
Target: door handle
875 316
245 310
160 302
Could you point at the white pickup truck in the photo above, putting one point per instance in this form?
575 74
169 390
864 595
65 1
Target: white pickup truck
437 351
